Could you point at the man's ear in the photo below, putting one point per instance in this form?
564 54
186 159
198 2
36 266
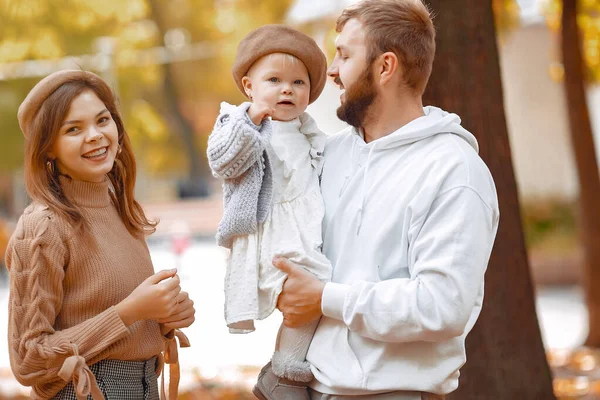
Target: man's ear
247 84
388 67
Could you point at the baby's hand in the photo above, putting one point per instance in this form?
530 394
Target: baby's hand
259 111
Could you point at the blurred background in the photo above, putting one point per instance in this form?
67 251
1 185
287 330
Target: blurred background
169 63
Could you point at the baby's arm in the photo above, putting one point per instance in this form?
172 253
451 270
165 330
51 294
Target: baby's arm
259 111
236 143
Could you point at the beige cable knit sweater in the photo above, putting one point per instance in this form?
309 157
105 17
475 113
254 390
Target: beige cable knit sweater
63 289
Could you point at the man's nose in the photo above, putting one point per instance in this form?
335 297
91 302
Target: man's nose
332 71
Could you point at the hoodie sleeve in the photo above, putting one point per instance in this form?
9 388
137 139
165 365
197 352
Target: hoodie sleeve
449 257
235 143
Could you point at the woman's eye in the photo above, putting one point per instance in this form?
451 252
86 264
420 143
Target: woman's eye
71 129
103 120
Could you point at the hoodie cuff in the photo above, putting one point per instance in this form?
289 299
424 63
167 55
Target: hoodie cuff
332 302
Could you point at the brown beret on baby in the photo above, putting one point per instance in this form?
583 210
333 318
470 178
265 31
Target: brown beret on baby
270 39
42 90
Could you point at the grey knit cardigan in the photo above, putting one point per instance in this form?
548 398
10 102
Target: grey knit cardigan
237 155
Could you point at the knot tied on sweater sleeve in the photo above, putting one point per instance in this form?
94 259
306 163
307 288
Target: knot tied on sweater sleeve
171 358
41 356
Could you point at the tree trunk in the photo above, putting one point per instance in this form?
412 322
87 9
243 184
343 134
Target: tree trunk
505 353
175 120
587 166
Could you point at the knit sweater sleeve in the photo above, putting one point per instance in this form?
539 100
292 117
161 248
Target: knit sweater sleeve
236 143
37 256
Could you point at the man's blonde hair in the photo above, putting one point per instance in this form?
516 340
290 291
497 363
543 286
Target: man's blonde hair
403 27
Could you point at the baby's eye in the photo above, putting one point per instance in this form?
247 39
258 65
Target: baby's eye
274 80
299 82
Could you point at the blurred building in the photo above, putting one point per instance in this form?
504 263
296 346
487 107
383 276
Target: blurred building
536 113
534 100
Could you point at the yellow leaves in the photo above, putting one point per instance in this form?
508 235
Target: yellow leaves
588 20
19 10
139 34
84 20
225 20
552 9
589 3
151 75
14 50
146 118
136 9
44 44
507 14
556 71
47 45
121 11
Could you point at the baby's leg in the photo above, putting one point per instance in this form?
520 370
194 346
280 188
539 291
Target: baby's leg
289 359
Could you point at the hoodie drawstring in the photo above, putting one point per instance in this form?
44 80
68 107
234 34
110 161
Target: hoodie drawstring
348 173
364 190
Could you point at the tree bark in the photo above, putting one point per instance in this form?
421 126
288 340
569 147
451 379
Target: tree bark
505 353
175 120
587 165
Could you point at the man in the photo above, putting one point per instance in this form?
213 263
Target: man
411 216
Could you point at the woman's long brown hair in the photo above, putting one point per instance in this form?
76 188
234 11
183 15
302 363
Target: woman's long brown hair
43 183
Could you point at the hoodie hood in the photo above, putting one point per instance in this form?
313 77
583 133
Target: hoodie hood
434 121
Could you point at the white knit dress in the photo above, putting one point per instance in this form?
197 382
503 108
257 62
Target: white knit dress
292 228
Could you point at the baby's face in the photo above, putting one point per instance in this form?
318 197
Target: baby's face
280 81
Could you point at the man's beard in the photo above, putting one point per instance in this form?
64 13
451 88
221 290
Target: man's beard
359 98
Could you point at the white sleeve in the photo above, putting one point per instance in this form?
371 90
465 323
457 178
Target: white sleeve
449 258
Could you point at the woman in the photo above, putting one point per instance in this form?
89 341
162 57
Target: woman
87 316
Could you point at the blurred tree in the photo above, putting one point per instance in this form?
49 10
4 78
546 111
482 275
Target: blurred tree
585 156
507 16
588 21
505 354
160 103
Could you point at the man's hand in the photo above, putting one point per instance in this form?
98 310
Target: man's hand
300 299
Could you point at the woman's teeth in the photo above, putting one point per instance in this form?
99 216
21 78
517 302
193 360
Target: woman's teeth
96 153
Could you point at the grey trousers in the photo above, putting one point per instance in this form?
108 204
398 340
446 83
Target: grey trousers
403 395
121 380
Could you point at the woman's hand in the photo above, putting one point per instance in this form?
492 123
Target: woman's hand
183 314
155 298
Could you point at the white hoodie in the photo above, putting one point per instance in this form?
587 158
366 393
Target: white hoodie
410 220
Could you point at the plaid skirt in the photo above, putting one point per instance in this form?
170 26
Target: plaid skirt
121 380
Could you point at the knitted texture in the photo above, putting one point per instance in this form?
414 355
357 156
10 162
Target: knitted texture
236 154
63 289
